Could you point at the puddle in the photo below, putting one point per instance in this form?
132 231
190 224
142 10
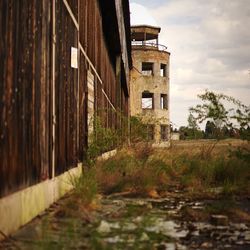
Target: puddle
130 224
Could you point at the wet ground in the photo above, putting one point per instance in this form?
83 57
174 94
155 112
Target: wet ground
172 223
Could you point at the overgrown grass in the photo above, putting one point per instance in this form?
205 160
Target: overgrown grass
132 170
231 174
141 169
85 186
208 166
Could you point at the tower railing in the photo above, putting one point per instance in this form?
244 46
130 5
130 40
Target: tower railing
149 45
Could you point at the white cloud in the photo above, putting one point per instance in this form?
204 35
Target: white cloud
209 42
140 15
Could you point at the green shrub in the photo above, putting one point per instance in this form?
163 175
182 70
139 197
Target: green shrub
101 140
138 131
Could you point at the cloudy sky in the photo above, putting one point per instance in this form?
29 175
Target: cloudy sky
209 42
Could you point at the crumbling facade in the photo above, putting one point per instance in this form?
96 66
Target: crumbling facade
149 83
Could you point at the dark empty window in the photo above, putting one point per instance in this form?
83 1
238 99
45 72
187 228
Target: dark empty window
150 132
163 69
164 132
164 101
147 101
147 68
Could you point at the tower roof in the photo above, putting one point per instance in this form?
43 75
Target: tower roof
144 32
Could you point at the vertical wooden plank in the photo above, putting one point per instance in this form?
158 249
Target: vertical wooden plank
23 94
53 162
66 81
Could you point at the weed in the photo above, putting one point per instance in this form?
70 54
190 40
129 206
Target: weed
207 150
228 172
243 153
138 131
133 170
85 186
142 151
101 140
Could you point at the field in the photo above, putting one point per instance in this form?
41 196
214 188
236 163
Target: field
193 195
196 166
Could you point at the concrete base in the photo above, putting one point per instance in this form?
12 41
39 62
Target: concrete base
107 155
21 207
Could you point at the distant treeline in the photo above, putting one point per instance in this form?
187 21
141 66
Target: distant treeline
212 132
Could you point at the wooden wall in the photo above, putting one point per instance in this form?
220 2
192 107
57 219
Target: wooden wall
66 90
33 104
25 49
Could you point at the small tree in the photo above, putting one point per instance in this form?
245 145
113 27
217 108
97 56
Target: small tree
192 122
210 130
235 118
193 126
213 110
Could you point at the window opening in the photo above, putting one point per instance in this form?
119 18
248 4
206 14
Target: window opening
164 101
164 132
147 68
147 101
163 70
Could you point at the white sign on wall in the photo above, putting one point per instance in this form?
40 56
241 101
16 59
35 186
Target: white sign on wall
74 61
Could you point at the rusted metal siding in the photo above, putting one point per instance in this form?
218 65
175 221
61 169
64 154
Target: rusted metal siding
24 93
